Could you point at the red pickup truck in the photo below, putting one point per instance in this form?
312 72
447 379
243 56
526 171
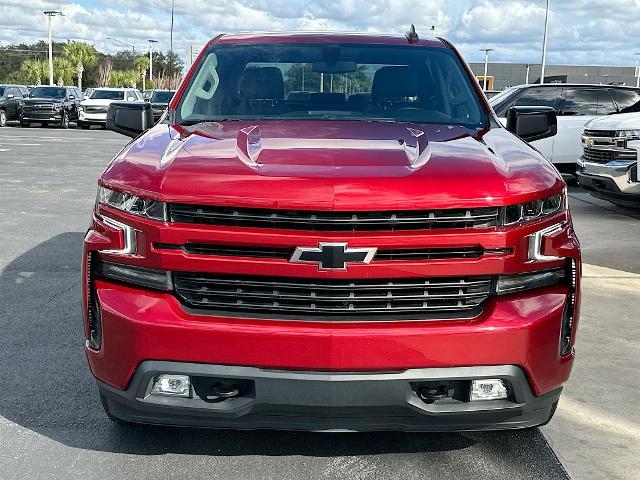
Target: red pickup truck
331 232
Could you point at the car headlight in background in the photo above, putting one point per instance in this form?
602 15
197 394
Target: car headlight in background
628 133
535 210
127 202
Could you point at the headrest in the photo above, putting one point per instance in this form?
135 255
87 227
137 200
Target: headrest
264 82
394 82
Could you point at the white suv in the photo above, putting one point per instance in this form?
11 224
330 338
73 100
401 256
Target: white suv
93 110
575 105
608 168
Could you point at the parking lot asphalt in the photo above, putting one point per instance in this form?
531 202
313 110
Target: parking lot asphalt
52 426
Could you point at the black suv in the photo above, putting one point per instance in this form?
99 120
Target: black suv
51 104
11 102
159 100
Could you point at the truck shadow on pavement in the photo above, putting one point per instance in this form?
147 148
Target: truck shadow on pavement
48 389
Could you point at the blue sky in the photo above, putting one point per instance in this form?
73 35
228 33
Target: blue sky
599 32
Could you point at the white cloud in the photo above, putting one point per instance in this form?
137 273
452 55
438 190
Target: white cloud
581 31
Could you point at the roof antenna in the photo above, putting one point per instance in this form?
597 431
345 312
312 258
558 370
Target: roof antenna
411 35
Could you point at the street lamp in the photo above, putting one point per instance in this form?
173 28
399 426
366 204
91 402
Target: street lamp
49 14
151 42
544 43
486 64
637 70
133 47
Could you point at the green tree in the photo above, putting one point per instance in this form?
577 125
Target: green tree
33 71
123 78
63 71
142 65
80 54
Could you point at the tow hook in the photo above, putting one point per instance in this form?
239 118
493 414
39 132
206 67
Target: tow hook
430 394
223 391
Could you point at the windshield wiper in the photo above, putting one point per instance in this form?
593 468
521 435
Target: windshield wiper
187 123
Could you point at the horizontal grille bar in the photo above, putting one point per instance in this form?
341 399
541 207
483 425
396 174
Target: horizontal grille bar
284 253
334 220
310 297
600 155
600 133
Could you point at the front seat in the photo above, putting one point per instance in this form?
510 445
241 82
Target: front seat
394 85
261 91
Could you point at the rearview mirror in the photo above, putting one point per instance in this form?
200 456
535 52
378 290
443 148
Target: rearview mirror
532 123
129 118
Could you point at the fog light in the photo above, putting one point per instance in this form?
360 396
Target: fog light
488 389
172 385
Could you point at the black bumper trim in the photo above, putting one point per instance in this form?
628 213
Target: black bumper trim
321 401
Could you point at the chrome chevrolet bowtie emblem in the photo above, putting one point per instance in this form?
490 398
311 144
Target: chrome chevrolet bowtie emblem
333 256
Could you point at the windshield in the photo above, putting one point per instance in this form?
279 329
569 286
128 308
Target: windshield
331 81
107 95
48 92
161 97
503 94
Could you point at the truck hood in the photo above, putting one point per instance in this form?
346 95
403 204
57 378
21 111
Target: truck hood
97 102
621 121
332 165
41 101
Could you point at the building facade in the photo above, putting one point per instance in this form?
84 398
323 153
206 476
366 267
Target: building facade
509 74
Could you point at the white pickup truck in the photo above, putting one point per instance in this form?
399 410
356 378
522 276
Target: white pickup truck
608 167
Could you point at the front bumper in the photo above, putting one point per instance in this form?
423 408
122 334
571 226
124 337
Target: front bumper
93 118
41 116
613 182
294 400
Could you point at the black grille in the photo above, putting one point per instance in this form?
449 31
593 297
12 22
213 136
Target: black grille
95 109
340 299
598 155
600 133
284 253
334 220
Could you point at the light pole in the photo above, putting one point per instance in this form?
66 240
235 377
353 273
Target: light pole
526 77
486 64
544 43
151 42
133 47
433 31
637 70
49 14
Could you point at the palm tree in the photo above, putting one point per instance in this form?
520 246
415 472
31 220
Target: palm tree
80 54
63 70
142 64
34 70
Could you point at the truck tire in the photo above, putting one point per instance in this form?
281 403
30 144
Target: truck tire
64 122
3 118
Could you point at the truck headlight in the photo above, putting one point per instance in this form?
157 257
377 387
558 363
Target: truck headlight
534 210
528 281
628 133
143 277
127 202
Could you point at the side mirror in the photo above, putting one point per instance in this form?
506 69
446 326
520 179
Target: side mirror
129 118
72 97
532 123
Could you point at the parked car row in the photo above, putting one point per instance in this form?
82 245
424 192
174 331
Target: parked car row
54 105
598 136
